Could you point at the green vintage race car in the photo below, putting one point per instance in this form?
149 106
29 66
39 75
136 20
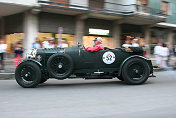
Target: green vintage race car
127 64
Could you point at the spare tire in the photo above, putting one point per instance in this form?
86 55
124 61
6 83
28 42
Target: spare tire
60 65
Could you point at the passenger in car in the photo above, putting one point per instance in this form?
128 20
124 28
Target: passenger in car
98 45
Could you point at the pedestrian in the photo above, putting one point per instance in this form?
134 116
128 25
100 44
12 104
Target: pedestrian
62 43
164 53
126 44
170 52
18 53
51 43
97 45
45 43
135 43
157 53
36 44
3 48
174 52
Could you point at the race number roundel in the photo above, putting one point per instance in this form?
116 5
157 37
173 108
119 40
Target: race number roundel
108 57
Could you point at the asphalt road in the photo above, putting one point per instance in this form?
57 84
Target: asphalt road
91 99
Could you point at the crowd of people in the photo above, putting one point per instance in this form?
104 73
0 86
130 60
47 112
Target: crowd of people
163 54
18 49
161 50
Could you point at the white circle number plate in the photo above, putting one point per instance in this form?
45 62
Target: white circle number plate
108 57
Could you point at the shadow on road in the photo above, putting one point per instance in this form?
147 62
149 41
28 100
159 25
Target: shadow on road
84 83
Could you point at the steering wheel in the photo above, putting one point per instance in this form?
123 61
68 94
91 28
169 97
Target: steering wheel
81 45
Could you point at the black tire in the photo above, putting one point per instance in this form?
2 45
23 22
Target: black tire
44 78
120 78
28 74
60 65
135 71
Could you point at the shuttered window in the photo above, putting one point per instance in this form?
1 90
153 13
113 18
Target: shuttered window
165 7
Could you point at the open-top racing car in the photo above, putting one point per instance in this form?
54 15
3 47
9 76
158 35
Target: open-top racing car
127 64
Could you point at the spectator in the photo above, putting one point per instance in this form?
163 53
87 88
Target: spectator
62 43
157 53
126 44
3 48
18 53
135 43
36 44
51 43
45 43
164 53
174 51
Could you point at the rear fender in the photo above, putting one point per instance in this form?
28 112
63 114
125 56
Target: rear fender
135 56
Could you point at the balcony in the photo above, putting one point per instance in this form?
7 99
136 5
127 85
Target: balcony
104 9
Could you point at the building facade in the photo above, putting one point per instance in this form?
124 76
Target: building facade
83 20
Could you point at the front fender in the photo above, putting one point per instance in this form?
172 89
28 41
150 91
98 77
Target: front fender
33 60
134 56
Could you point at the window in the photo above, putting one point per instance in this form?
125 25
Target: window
142 2
165 7
96 4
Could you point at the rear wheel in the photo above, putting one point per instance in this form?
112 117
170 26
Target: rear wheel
60 66
120 78
43 79
135 71
28 74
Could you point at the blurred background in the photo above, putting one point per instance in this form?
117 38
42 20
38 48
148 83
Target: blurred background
149 21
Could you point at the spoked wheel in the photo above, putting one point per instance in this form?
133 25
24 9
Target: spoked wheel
28 74
60 66
135 71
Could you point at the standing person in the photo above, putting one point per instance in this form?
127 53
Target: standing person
18 53
164 53
174 51
157 53
45 43
98 45
3 48
36 44
62 43
135 43
126 44
51 43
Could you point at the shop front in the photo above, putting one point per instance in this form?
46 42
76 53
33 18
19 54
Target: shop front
94 33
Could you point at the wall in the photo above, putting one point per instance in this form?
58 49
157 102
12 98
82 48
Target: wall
121 8
13 23
23 2
83 3
49 22
98 24
172 7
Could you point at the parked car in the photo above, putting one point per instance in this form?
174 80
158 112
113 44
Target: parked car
127 64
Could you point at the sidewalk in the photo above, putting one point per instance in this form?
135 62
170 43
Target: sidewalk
9 71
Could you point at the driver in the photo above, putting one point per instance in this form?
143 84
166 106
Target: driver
98 45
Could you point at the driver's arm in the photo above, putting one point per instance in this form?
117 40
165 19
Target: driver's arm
96 48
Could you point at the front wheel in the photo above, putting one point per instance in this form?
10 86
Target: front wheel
135 71
28 74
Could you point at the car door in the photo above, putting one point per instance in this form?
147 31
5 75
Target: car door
90 59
